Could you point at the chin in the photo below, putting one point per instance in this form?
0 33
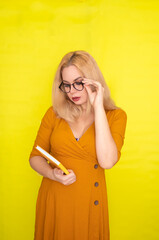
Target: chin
80 104
77 103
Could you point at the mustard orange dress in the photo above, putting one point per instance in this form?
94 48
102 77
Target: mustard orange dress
78 211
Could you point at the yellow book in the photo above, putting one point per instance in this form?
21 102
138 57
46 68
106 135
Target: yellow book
52 159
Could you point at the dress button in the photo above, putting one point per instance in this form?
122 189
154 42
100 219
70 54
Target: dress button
96 184
96 165
96 202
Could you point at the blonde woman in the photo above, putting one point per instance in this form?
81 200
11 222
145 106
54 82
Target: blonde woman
85 131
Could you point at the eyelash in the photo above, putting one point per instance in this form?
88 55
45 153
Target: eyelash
78 82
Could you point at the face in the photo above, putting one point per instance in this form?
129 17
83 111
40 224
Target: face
70 75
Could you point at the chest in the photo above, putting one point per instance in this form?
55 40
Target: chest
63 142
80 127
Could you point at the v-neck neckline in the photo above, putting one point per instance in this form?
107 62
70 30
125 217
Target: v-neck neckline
82 134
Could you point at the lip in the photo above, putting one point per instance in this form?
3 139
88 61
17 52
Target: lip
75 99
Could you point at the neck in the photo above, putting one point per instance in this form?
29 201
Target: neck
86 114
84 107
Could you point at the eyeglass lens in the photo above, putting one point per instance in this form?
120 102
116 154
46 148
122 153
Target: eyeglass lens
65 87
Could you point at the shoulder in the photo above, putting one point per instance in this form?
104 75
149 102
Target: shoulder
50 112
120 113
116 114
49 115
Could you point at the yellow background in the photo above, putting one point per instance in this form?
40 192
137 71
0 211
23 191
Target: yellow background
123 37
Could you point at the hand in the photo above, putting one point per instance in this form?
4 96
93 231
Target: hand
64 179
95 97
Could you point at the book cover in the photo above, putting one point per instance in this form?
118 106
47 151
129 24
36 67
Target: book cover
49 157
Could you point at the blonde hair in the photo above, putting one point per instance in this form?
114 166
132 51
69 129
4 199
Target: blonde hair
85 63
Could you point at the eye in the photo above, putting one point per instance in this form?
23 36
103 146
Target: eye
66 85
78 83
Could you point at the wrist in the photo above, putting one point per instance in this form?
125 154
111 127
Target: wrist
99 108
50 174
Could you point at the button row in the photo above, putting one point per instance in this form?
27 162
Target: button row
96 185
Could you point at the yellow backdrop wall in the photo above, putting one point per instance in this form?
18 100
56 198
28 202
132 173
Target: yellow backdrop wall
123 38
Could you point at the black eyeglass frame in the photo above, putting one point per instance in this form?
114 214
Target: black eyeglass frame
70 86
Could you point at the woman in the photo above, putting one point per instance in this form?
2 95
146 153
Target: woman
85 131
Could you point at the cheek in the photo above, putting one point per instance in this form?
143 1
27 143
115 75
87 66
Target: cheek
68 95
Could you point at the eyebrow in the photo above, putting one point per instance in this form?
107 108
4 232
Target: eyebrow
74 79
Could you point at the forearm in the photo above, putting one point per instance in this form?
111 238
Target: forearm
40 165
106 149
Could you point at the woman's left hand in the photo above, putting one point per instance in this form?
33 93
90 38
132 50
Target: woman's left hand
96 97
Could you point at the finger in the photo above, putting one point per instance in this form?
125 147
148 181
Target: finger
71 173
88 81
89 91
61 172
68 176
91 81
69 181
95 84
58 171
70 170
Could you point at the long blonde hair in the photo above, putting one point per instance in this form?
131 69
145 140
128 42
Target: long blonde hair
85 63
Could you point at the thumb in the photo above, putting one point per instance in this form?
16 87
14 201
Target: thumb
57 171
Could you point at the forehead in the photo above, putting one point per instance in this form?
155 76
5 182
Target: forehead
70 73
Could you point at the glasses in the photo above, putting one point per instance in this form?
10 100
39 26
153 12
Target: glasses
66 87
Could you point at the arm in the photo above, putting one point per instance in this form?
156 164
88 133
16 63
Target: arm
106 148
40 165
109 140
38 162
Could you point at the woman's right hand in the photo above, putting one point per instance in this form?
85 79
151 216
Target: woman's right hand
64 179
